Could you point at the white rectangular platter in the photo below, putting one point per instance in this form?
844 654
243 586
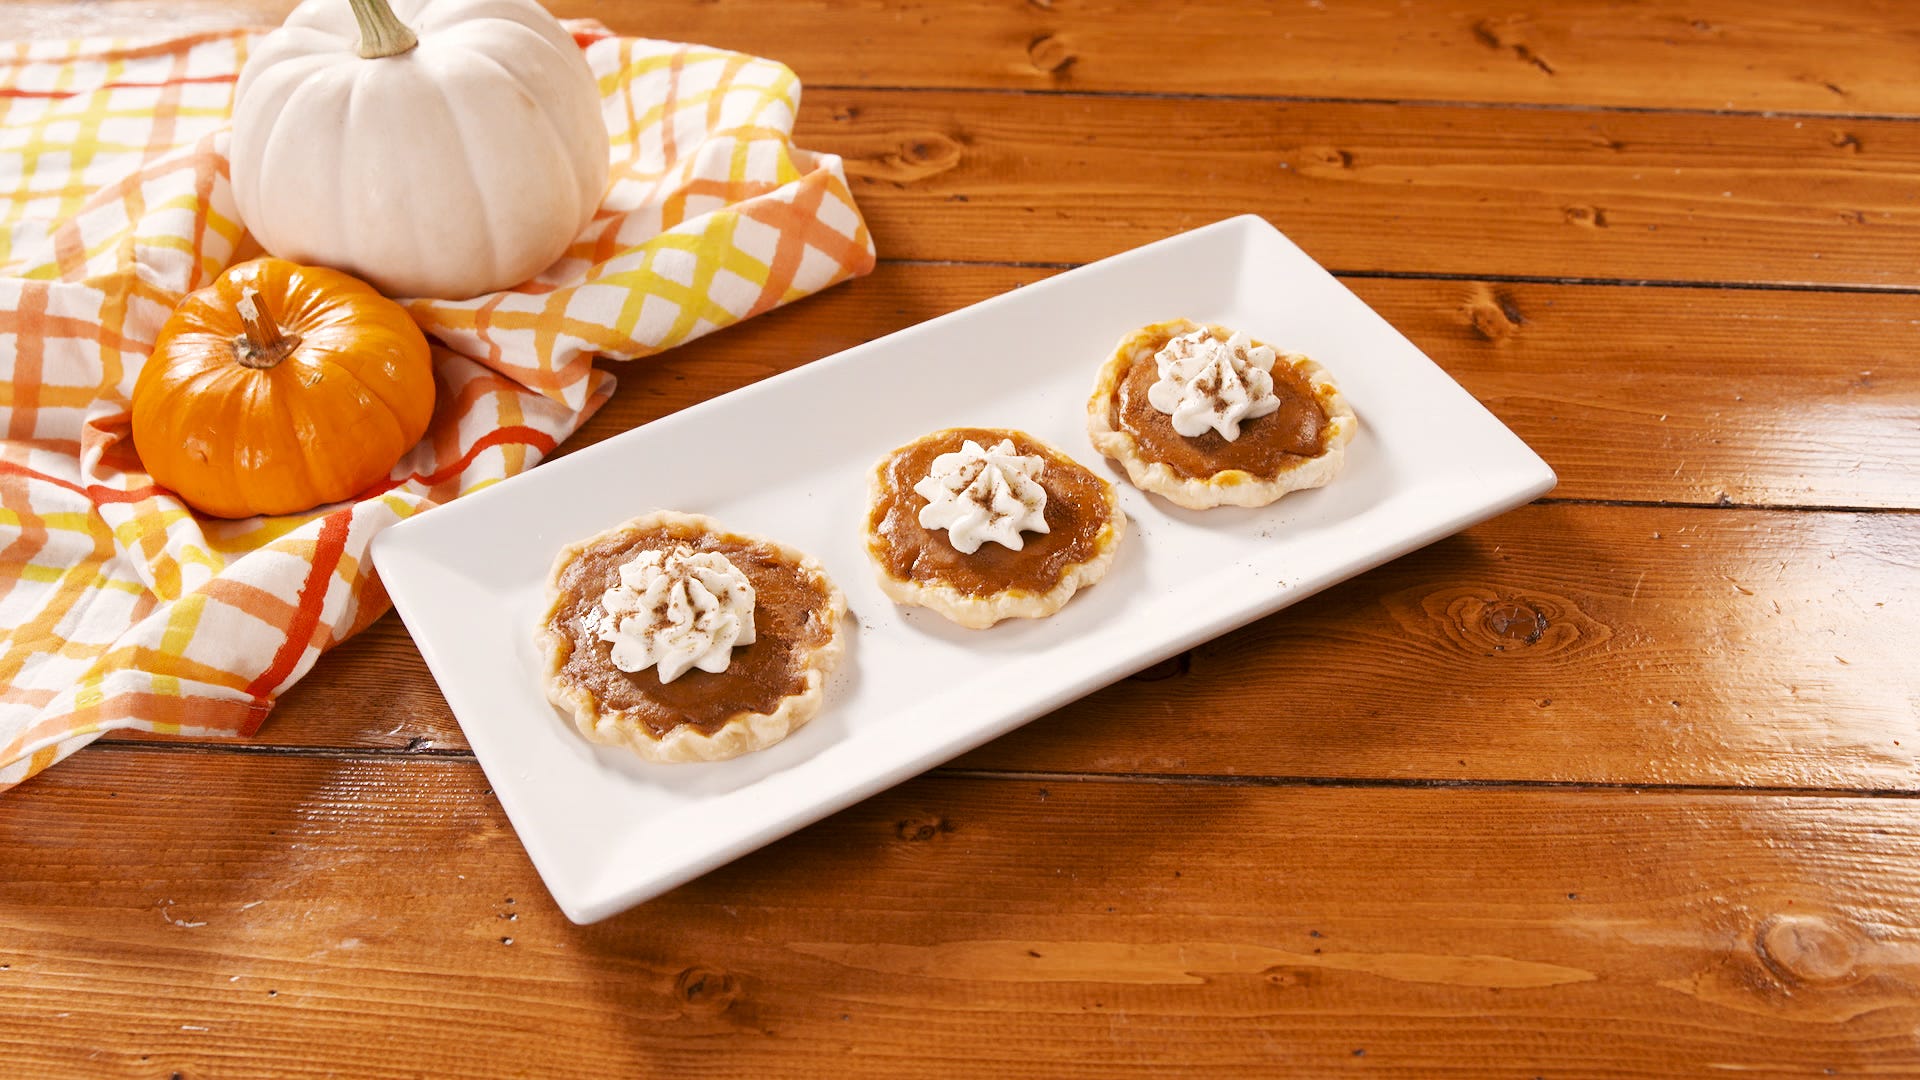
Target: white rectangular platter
789 457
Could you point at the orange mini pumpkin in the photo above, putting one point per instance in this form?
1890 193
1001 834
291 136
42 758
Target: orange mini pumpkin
279 388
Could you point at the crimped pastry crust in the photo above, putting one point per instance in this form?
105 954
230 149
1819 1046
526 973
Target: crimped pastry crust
977 612
1229 487
741 733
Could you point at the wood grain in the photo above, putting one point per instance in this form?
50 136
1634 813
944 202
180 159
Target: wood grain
1461 190
1552 193
1687 395
1171 877
1562 643
1847 56
315 917
1725 395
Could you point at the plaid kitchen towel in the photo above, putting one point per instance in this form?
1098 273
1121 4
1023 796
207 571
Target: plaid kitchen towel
121 609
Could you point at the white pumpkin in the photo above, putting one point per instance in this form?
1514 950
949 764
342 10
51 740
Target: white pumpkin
456 162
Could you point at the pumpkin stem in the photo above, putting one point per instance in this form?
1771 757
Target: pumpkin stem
264 344
381 31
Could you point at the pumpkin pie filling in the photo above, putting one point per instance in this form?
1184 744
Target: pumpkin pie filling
791 618
1267 444
1077 511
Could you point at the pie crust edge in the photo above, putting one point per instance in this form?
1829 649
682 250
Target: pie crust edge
979 612
742 732
1229 487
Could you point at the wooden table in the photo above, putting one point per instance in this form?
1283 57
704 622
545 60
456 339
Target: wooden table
1620 784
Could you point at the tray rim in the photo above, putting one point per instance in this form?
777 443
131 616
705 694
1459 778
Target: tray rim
594 898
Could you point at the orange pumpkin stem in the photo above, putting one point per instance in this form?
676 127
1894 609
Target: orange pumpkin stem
264 344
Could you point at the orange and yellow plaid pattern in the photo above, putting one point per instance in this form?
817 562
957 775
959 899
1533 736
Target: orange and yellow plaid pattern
121 609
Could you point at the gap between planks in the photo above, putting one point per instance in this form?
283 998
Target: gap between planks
1498 279
1408 103
345 753
1765 508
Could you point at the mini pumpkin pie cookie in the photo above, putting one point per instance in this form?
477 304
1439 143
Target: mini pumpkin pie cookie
1206 416
984 524
684 642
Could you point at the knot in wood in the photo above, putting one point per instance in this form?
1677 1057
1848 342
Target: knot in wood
1808 949
1491 34
1477 621
906 160
1048 54
1495 316
921 830
1592 217
1331 156
1288 977
1515 621
705 991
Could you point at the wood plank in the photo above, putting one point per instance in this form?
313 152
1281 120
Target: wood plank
1846 56
1556 643
1754 398
1687 395
1559 642
311 917
1853 56
1550 193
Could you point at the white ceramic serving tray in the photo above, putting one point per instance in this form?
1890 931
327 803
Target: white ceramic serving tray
788 458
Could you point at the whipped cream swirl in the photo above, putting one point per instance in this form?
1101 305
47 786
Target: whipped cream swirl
676 610
979 495
1206 383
